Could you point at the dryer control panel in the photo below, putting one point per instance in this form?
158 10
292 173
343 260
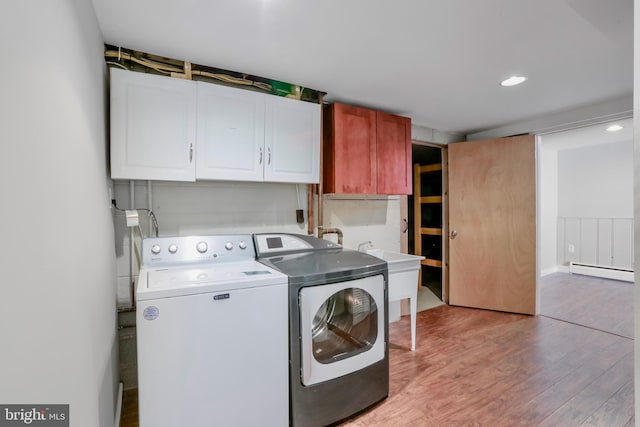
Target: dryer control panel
284 243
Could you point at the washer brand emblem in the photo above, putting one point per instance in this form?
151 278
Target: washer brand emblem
221 296
151 313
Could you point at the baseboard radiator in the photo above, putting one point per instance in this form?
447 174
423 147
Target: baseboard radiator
614 273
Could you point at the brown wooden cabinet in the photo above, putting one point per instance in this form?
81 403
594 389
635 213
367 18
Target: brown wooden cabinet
366 151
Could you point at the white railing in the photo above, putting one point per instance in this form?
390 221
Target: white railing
606 242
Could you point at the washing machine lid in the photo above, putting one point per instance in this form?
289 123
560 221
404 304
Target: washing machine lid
327 266
205 278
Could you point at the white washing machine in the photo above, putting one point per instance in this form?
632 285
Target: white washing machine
212 330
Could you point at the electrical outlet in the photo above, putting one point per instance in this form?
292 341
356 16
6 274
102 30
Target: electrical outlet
572 249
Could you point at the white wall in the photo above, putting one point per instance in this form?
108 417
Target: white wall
595 205
57 298
586 198
375 219
548 181
208 207
426 134
596 181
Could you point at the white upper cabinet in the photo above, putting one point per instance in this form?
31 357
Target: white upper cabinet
250 136
153 127
292 141
179 130
230 133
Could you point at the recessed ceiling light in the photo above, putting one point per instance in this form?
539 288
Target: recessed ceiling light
513 80
614 128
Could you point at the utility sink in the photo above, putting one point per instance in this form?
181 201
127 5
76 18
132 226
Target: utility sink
396 261
403 280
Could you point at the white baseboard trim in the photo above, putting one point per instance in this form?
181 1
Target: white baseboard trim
614 273
118 406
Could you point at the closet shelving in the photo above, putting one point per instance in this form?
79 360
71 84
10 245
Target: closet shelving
427 200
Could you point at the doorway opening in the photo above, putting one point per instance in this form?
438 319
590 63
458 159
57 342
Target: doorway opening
586 219
427 216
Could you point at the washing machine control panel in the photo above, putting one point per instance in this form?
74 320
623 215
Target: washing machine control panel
158 251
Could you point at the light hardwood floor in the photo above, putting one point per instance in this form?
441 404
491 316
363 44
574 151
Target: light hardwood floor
589 301
484 368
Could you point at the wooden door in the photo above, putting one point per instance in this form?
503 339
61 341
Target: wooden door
492 224
393 155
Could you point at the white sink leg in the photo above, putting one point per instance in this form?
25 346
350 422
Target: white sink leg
413 308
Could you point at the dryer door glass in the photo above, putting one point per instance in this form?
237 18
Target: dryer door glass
342 328
346 324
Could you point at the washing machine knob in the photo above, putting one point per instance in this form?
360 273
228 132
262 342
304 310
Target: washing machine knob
228 246
155 249
242 245
173 248
202 247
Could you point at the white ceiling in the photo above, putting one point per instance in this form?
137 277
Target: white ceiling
589 135
436 61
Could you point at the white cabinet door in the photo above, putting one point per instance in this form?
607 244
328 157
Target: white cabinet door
153 127
241 135
292 141
230 133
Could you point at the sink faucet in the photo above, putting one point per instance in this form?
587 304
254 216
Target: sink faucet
329 230
362 247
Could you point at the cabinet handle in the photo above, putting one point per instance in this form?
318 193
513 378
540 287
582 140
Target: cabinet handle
405 225
454 233
260 161
190 153
269 155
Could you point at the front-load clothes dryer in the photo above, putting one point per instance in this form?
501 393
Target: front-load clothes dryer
338 331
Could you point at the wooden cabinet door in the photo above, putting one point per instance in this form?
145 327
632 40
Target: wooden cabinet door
153 127
393 152
350 150
230 133
492 224
292 141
